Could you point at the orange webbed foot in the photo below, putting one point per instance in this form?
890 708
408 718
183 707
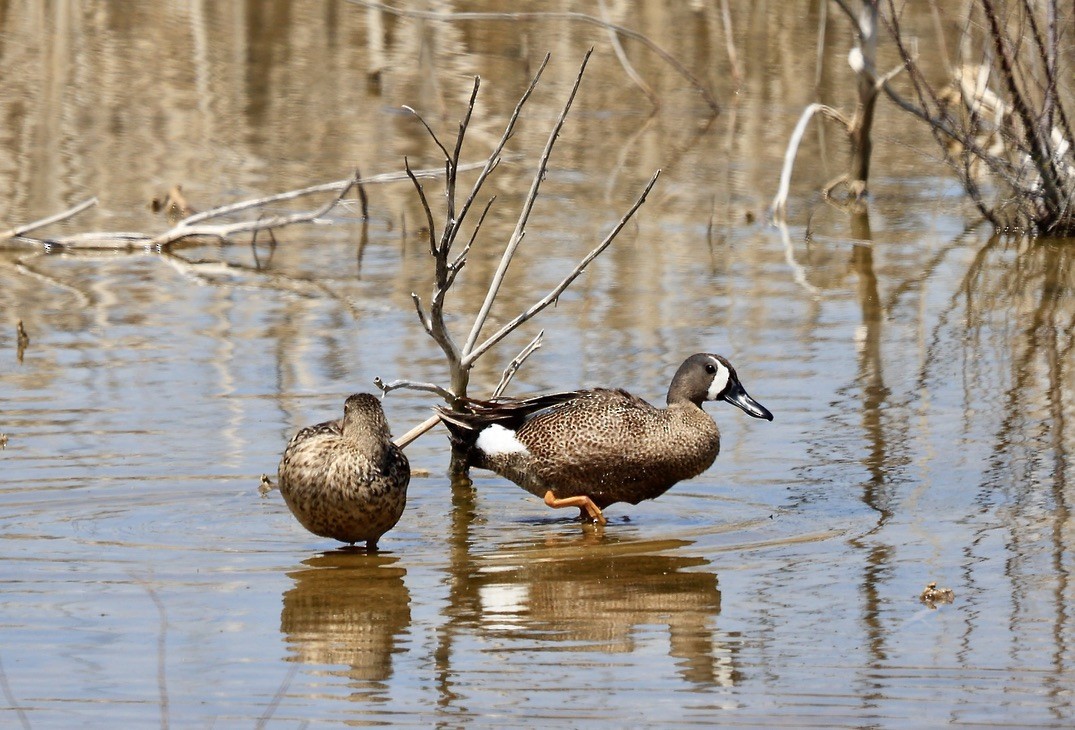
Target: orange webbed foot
583 502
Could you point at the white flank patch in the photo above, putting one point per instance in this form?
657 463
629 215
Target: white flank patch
498 441
720 380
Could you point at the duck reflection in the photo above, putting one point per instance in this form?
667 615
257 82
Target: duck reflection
349 609
599 597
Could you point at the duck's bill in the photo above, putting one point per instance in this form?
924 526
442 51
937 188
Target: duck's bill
738 397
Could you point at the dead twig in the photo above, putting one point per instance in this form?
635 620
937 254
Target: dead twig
472 355
387 388
779 203
516 363
21 231
524 216
194 225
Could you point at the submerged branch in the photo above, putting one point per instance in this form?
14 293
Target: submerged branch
664 55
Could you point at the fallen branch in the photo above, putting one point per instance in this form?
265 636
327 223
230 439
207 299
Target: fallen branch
194 226
21 231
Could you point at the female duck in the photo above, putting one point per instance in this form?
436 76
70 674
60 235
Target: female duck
346 479
592 448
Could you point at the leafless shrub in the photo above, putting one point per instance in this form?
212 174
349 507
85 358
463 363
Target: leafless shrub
449 259
1000 122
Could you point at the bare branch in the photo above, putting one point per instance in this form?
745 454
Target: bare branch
516 363
432 134
493 160
470 357
781 199
425 207
524 216
19 231
412 385
459 261
426 325
427 425
334 186
451 226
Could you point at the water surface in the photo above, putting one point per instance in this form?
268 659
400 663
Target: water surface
916 366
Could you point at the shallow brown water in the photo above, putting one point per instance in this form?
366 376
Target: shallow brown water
918 370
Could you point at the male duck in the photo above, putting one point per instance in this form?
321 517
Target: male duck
592 448
346 479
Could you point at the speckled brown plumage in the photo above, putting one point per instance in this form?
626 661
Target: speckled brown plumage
346 479
602 444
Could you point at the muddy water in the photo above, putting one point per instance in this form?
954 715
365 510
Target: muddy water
917 368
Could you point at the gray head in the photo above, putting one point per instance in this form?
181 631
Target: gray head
363 415
705 377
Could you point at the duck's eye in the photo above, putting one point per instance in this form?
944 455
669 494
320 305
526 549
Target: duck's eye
710 368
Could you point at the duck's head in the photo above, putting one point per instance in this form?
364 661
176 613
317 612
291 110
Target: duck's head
705 377
363 411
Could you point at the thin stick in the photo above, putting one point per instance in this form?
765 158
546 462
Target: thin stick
18 231
781 199
516 363
425 204
551 297
334 186
509 130
524 216
405 440
387 388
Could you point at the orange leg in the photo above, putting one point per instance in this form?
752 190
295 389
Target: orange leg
584 503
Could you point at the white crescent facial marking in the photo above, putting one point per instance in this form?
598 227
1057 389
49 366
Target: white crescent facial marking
720 381
498 441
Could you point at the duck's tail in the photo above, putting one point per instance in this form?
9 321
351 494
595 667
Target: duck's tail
473 416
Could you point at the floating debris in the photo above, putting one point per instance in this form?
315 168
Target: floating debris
22 339
933 596
174 204
266 486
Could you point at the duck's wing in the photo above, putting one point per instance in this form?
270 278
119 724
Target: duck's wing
328 428
511 413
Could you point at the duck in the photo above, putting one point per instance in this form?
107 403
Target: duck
346 479
596 447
